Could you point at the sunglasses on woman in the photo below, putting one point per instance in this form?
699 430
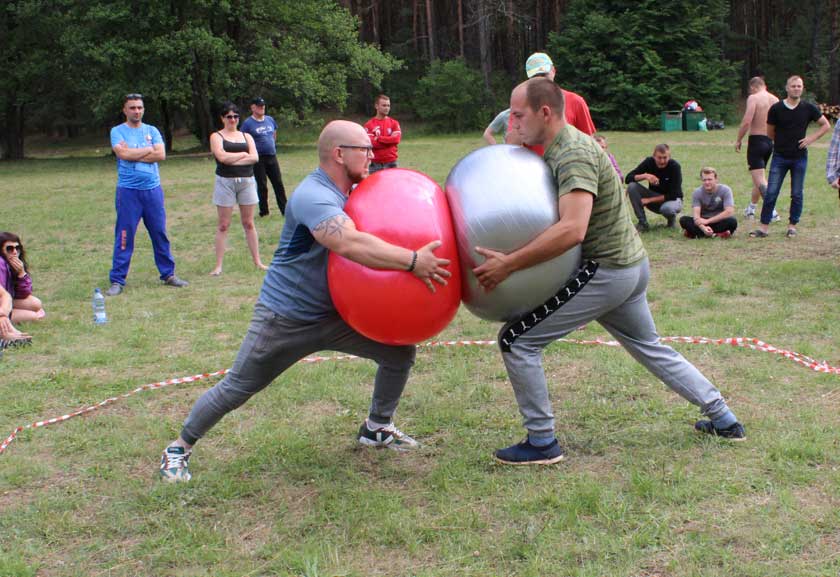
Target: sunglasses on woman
12 247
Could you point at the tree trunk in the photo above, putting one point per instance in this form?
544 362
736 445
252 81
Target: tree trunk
461 27
484 40
166 116
415 15
834 54
430 30
201 104
12 143
511 61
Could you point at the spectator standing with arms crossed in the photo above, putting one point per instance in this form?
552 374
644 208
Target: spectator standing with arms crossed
787 123
235 155
263 129
139 148
385 134
759 145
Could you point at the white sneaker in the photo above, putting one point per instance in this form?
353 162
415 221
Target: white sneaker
749 212
174 465
389 436
775 217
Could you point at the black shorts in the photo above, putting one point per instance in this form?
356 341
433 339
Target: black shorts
759 149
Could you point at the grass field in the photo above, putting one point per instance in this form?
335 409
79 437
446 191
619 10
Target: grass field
280 487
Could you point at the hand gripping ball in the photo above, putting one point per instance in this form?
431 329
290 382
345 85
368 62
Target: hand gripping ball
408 209
502 197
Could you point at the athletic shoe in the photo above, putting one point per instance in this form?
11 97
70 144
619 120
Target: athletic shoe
173 280
389 436
671 220
749 212
15 342
734 432
525 453
642 226
687 234
174 465
775 217
116 288
725 234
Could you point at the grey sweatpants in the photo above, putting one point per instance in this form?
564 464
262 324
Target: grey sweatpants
617 299
637 192
274 343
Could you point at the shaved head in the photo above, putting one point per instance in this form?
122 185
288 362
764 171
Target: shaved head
340 132
344 153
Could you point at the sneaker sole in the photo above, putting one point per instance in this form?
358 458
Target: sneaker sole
550 461
175 478
733 439
365 442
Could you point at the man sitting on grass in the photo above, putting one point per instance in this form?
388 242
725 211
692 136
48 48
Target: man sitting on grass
713 209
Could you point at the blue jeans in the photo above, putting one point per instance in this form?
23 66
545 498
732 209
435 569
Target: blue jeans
779 167
133 204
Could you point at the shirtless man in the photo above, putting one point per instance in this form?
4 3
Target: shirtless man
759 145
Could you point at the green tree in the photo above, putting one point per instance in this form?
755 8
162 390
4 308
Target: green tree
451 96
32 76
185 57
633 59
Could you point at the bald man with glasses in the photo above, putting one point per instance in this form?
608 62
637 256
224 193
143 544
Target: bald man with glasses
295 316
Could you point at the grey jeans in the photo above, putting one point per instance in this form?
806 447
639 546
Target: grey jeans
617 299
274 343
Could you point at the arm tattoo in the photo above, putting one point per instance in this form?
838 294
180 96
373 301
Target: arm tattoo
333 226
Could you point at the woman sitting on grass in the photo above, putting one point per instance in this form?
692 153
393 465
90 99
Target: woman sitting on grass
236 155
16 281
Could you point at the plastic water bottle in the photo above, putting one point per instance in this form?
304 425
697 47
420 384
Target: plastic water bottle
99 316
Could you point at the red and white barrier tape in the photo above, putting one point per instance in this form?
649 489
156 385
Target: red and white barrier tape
743 342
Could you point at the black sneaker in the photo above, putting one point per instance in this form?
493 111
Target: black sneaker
672 220
527 454
642 226
734 432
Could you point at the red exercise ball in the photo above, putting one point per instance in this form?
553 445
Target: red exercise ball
408 209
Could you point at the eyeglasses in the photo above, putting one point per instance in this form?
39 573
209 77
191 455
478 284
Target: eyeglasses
232 116
12 247
357 147
134 96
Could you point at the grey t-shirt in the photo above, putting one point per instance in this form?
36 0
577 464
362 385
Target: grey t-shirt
500 123
712 203
295 285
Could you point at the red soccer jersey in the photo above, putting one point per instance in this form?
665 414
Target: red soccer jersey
384 136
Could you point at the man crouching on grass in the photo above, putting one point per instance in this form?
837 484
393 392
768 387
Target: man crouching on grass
294 315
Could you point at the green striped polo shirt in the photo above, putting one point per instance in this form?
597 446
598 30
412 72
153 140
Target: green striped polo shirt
578 163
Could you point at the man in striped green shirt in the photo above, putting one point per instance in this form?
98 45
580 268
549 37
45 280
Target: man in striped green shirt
610 287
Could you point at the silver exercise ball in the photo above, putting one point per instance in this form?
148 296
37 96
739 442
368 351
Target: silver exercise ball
501 197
